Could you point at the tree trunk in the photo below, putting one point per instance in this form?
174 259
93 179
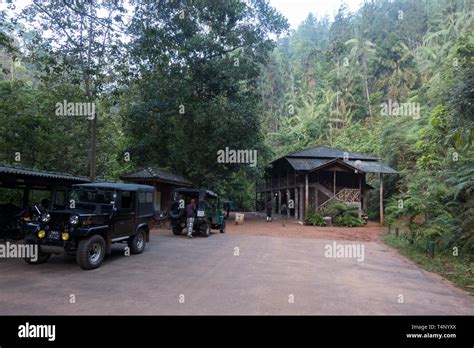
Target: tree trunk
367 93
93 121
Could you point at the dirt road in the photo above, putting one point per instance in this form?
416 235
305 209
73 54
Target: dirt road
233 273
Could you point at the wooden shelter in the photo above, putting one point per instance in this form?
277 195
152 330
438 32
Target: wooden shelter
164 182
314 177
27 180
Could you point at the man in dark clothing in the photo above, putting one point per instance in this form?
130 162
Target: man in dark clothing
190 215
269 210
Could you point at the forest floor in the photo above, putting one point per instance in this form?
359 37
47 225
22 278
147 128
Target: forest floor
255 224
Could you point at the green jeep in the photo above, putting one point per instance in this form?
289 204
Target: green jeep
208 215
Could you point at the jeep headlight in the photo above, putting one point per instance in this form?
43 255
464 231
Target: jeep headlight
45 218
74 220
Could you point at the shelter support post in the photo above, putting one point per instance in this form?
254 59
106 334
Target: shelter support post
296 203
381 199
306 195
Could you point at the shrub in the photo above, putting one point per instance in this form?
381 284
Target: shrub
314 219
343 215
348 221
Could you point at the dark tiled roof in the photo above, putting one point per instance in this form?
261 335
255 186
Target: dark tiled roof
329 152
306 163
156 174
372 167
319 156
363 166
28 172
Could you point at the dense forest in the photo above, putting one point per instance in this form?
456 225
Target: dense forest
394 80
174 82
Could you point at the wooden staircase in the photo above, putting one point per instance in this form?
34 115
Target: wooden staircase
344 196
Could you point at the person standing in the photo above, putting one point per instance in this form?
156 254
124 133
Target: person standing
269 210
190 215
284 214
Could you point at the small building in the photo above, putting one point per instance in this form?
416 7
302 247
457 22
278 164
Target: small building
164 182
314 177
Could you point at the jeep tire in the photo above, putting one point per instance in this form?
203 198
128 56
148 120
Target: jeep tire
137 242
206 231
91 252
42 258
222 229
176 212
177 230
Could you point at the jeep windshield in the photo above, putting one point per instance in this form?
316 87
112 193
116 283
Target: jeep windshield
94 199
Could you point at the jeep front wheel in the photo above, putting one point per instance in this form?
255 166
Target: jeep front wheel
206 231
90 252
41 258
177 230
137 242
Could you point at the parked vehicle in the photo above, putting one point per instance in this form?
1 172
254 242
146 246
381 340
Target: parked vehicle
97 215
208 216
11 222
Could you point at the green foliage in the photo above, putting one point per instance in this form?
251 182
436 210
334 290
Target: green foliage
348 221
314 219
338 82
342 214
169 64
324 83
457 269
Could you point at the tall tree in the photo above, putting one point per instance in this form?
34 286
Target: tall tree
81 38
195 85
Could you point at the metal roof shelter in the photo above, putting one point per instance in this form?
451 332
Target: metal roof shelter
14 176
27 180
163 180
318 175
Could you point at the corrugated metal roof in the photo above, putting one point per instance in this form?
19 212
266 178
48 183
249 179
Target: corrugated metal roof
306 163
364 166
329 152
372 167
27 172
157 174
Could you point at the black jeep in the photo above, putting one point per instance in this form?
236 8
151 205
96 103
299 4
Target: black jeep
208 215
96 216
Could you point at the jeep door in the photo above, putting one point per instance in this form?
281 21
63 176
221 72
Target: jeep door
124 216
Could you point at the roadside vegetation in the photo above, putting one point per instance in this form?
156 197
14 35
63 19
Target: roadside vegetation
458 269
